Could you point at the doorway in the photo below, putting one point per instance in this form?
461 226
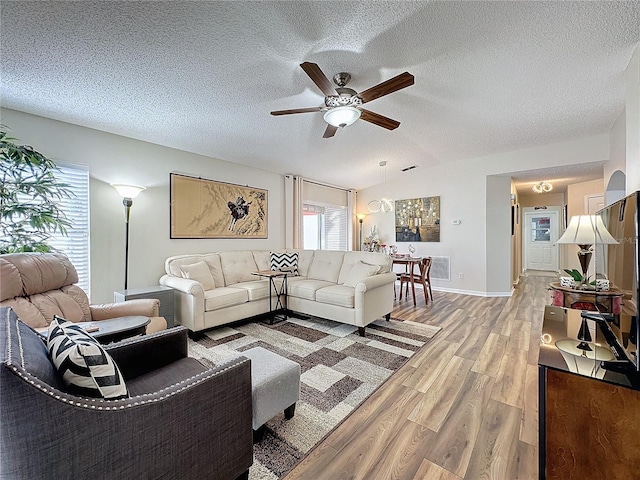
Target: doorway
540 236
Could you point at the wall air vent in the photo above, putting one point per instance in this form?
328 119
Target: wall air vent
408 168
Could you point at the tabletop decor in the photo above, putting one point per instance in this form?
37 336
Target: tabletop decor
202 208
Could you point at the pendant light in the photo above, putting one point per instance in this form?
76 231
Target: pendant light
384 204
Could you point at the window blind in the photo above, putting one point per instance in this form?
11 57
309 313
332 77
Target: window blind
76 244
325 227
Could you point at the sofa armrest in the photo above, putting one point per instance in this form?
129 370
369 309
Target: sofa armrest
143 354
146 307
197 428
189 301
375 281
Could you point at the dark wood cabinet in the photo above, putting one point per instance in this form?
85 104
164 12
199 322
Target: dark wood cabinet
589 417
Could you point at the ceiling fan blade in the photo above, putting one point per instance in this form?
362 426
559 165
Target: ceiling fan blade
330 131
385 88
377 119
319 78
296 110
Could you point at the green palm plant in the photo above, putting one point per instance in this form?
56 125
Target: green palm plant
29 198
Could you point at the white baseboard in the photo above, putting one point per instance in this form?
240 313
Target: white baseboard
474 293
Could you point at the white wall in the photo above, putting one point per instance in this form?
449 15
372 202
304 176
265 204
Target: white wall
462 188
632 94
116 159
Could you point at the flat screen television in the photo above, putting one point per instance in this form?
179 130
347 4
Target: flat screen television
619 264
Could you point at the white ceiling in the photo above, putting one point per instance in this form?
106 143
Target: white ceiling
203 76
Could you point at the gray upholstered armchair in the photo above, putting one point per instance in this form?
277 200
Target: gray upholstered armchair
183 420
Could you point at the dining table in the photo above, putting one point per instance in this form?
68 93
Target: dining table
409 263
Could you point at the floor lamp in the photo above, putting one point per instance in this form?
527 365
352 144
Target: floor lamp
128 193
360 219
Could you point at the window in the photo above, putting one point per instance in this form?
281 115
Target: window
76 244
324 226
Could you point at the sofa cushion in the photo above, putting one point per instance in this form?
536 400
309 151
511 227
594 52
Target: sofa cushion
23 274
307 288
304 261
284 262
359 272
261 258
256 290
224 297
371 258
237 267
326 265
199 272
21 345
340 295
84 365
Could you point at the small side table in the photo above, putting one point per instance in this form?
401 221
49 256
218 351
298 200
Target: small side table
111 330
603 301
160 292
281 293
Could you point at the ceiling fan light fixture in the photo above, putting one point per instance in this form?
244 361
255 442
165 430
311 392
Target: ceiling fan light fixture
342 116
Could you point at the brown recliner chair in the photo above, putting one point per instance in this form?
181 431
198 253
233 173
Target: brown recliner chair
38 286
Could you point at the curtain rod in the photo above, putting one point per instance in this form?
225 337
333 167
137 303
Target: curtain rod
323 184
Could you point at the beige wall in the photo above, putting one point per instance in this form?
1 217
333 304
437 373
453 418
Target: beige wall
576 194
116 159
462 187
542 200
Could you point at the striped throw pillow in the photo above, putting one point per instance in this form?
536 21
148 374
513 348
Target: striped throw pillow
83 364
284 262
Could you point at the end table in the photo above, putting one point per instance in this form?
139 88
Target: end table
160 292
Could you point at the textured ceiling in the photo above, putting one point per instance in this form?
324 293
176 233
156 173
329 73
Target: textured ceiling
203 76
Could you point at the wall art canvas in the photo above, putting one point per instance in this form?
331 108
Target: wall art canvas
203 208
418 220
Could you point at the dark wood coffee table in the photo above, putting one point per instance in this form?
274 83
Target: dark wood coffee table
112 330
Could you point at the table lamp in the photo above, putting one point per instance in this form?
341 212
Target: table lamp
584 231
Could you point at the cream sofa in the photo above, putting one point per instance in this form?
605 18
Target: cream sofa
355 288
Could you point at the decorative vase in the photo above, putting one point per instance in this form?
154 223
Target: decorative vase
567 282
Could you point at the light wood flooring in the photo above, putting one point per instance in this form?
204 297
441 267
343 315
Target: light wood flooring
464 407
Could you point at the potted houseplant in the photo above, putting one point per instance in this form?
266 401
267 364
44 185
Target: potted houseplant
579 280
29 198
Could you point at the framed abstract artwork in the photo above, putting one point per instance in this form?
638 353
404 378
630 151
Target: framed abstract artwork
202 208
418 220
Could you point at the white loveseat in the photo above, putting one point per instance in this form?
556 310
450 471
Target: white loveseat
214 289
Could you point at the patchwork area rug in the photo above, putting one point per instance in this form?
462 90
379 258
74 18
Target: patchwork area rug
340 369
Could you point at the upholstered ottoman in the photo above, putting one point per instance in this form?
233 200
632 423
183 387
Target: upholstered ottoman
275 387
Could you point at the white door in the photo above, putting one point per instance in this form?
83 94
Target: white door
593 203
541 234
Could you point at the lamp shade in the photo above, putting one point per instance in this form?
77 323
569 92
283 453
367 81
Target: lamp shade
128 191
342 116
586 230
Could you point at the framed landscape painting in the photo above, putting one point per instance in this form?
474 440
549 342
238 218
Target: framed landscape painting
202 208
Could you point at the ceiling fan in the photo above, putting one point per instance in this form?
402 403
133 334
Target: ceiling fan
342 105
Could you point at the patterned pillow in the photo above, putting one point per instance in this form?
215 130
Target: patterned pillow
284 262
84 365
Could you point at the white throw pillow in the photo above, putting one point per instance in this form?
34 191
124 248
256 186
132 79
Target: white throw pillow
359 272
200 273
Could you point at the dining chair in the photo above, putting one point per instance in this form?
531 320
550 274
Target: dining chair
423 277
